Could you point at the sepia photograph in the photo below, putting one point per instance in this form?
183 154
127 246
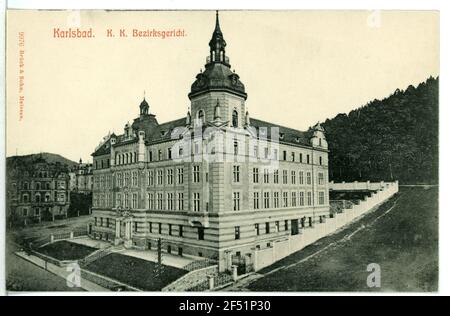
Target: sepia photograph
222 151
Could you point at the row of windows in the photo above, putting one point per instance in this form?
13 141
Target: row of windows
273 200
41 185
102 164
154 228
276 176
38 197
103 181
131 157
155 201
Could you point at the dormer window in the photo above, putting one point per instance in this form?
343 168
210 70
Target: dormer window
281 135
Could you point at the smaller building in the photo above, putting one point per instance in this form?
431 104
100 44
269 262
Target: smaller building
81 178
81 185
37 191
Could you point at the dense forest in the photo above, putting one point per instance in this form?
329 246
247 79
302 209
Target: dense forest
392 139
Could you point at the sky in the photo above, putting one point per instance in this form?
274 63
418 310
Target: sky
298 67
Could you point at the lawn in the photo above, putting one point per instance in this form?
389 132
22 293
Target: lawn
65 250
403 242
136 272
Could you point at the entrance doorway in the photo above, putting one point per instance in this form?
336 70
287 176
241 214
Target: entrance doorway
294 227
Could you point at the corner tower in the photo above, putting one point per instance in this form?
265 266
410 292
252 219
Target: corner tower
217 84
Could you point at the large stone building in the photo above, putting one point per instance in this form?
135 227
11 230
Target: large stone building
37 191
216 183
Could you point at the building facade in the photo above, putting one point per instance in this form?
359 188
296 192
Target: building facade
81 178
216 183
38 191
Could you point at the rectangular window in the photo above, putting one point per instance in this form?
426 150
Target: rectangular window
293 199
255 175
236 148
267 228
301 157
170 204
307 159
257 229
169 176
276 199
150 178
320 160
135 178
150 156
236 201
170 229
292 156
150 201
275 176
301 198
236 174
159 228
180 173
169 153
285 199
160 177
135 226
180 230
309 198
159 201
180 206
150 228
256 200
160 155
266 175
277 226
196 174
196 203
286 225
321 198
237 232
308 178
285 177
293 177
321 178
300 177
266 200
284 155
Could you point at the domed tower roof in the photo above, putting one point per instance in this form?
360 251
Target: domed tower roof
217 75
144 107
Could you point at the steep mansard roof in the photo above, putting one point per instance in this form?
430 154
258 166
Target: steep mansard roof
155 133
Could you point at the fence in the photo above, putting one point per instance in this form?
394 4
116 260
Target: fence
308 236
199 264
359 186
98 254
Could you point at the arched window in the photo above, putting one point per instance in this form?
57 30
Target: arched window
235 119
38 186
37 198
25 186
201 116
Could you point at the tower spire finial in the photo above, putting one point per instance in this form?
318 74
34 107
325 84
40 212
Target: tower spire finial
217 21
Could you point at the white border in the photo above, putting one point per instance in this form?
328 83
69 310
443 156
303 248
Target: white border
444 115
